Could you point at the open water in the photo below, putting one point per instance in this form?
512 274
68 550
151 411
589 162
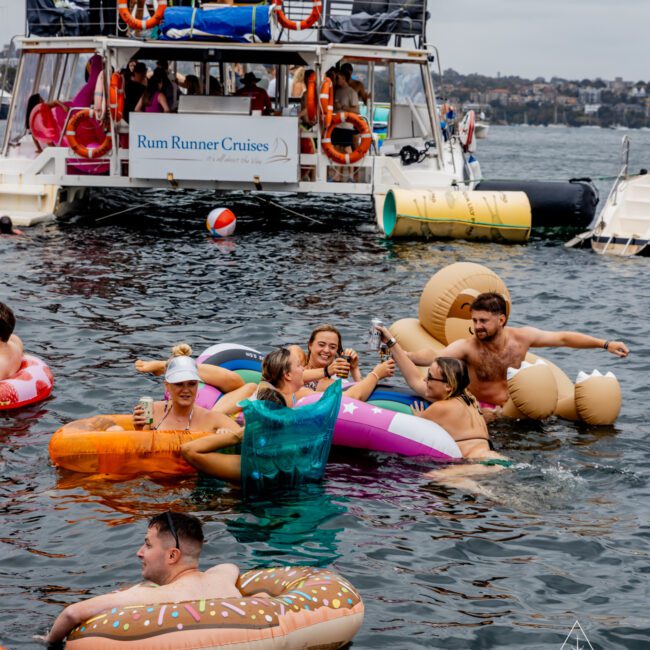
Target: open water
562 538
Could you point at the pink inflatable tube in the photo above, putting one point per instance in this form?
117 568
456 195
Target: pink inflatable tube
364 426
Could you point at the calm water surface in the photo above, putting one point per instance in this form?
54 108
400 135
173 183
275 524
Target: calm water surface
563 537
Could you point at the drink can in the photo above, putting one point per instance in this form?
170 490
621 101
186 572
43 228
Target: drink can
348 358
374 339
146 403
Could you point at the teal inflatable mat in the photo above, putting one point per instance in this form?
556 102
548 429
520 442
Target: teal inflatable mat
284 447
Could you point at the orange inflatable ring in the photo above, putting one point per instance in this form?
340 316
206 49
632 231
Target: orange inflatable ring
86 446
298 607
326 102
303 24
310 99
139 25
364 131
83 150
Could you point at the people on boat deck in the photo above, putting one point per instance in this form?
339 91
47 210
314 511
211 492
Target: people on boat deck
260 100
192 85
153 98
283 377
169 557
222 378
355 84
180 412
134 87
170 85
494 348
11 347
345 99
298 82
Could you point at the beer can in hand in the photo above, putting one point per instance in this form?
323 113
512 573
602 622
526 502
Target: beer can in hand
348 358
146 404
374 338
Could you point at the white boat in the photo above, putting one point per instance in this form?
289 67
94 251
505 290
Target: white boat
217 145
622 227
481 129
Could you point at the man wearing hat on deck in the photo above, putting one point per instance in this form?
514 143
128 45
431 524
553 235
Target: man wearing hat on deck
260 100
179 412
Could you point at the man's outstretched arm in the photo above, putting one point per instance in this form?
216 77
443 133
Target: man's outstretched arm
543 339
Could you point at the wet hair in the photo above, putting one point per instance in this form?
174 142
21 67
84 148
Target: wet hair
7 322
6 226
456 374
324 328
492 302
270 394
276 365
33 101
188 528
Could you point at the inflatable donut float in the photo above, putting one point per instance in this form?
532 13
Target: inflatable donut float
539 388
298 608
32 383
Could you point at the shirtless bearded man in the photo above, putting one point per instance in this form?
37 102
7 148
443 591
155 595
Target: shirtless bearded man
170 558
494 348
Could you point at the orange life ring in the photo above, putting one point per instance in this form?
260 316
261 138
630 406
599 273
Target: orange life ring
310 101
364 131
83 150
303 24
326 102
116 97
139 25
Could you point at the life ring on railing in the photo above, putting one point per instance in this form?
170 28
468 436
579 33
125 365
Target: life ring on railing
139 25
303 24
364 132
83 150
310 99
116 97
466 131
326 102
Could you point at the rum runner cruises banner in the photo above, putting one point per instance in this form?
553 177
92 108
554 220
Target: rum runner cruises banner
214 147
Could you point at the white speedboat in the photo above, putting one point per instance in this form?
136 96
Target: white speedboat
213 142
623 225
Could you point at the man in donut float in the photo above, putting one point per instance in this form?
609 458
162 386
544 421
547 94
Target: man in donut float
493 348
170 559
11 347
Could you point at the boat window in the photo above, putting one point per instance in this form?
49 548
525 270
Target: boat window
381 93
409 84
22 93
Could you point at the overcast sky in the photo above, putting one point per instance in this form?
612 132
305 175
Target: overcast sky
530 38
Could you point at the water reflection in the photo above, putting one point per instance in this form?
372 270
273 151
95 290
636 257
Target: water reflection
294 527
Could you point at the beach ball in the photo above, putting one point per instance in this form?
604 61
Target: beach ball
221 222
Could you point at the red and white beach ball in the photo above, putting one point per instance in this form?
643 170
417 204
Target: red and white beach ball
221 222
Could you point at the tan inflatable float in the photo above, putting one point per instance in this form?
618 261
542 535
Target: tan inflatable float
539 388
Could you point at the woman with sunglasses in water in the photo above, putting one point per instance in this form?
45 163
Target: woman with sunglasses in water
283 383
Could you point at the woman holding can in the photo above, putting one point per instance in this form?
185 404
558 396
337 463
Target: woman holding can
282 382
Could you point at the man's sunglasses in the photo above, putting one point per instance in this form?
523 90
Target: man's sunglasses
172 529
430 377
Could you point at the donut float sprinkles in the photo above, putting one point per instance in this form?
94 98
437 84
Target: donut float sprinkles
297 607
